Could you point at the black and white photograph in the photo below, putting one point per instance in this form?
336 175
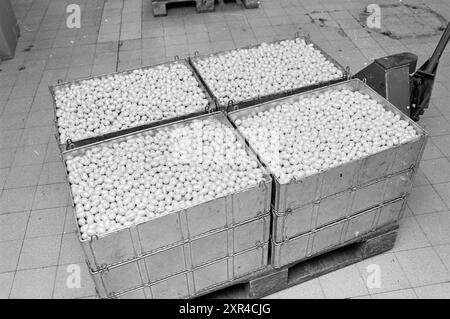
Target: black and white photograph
227 155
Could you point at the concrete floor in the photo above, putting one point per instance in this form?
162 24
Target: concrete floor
37 239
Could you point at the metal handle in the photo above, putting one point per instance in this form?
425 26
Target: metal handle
69 144
434 60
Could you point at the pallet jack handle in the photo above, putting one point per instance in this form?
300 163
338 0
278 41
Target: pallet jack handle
434 60
422 80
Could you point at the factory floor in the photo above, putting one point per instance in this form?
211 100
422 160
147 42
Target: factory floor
37 229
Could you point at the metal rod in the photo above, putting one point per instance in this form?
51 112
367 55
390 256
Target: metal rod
434 60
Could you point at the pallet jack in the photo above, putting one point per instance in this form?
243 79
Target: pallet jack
395 78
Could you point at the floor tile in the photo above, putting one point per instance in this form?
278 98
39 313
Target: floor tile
7 157
444 253
42 102
307 290
398 294
40 252
11 249
52 172
435 126
40 118
343 283
422 266
28 155
436 227
438 291
13 226
68 285
13 121
9 139
3 176
53 153
71 251
436 170
21 105
410 235
406 212
6 280
35 135
70 225
444 192
16 199
23 176
5 92
390 271
420 179
33 283
52 195
424 199
46 222
443 144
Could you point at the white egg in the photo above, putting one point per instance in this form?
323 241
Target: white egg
116 102
158 172
269 68
319 131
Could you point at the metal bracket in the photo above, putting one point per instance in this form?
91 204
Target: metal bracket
348 71
70 145
230 104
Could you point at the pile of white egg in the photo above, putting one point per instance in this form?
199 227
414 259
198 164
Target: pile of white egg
102 105
318 131
265 69
129 181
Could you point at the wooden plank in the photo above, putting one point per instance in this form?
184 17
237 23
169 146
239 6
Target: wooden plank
205 6
251 4
268 284
160 6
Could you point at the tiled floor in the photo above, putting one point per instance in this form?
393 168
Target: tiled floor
37 240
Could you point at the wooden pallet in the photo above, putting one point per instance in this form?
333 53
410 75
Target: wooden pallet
160 6
272 280
248 4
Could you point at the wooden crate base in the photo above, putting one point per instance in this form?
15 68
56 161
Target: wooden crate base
248 4
160 6
251 4
272 280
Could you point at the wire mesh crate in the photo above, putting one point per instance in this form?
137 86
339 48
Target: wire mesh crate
345 230
72 143
230 105
186 284
291 223
214 229
297 193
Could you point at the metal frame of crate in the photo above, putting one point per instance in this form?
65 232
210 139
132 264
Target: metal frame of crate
218 217
233 105
294 222
352 187
70 144
162 264
346 230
